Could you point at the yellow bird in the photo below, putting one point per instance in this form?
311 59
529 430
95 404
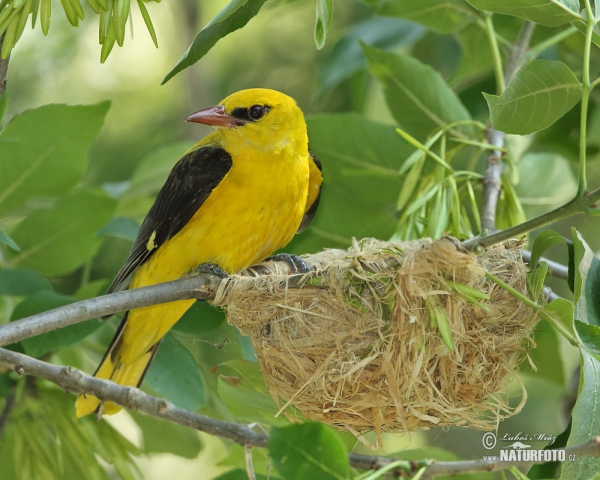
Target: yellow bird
234 198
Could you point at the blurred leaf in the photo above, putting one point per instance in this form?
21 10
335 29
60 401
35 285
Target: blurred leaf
4 238
59 240
243 379
585 420
3 103
261 460
162 436
63 446
22 281
43 301
442 16
347 57
150 174
235 15
43 152
242 475
540 93
175 375
475 49
582 27
122 227
550 469
546 355
550 13
310 450
543 242
323 21
417 95
553 178
360 161
200 318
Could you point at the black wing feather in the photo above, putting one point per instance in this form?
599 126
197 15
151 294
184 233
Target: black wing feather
310 213
189 184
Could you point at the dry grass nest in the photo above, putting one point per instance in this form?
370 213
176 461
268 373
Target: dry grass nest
359 343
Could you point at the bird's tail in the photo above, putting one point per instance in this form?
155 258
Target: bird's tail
111 368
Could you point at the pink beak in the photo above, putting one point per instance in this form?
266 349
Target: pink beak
214 116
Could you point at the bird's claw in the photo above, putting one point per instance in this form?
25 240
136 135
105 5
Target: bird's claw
297 264
213 269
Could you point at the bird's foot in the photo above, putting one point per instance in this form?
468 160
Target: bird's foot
213 269
297 265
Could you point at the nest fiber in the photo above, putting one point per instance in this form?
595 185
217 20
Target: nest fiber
358 343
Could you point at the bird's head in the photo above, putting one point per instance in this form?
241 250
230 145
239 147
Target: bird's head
257 118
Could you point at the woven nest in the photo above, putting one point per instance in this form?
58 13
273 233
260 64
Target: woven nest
353 345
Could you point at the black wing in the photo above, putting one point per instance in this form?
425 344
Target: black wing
189 184
314 189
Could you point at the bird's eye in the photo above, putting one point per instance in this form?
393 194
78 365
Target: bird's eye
256 112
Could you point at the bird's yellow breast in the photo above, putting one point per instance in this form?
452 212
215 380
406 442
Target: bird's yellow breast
255 210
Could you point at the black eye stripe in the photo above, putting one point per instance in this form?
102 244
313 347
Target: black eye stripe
246 114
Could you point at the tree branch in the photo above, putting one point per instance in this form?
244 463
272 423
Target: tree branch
3 69
493 170
73 380
201 287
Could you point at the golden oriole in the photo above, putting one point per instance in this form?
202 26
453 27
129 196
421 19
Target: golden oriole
233 199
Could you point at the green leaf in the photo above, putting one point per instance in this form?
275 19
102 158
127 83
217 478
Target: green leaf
589 337
586 412
121 227
540 93
323 21
148 22
176 376
535 281
47 342
587 282
235 15
442 16
59 240
550 13
347 58
43 153
4 238
200 318
543 242
310 450
161 436
561 310
417 95
22 281
243 379
546 355
549 172
361 159
585 419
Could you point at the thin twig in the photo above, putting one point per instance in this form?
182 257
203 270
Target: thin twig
3 69
576 206
73 380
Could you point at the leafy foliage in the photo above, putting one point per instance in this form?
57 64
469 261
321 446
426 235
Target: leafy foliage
407 162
